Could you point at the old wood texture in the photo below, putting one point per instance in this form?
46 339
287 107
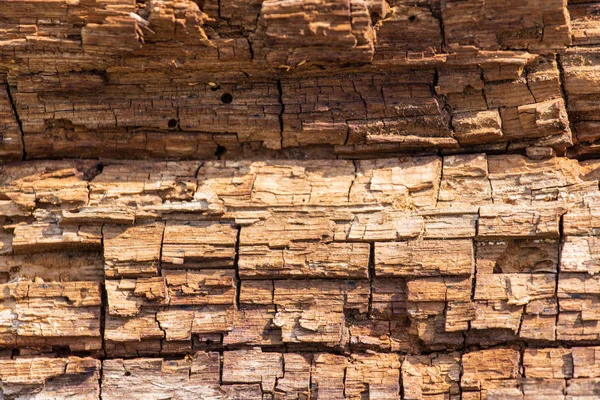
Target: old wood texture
296 279
300 199
234 79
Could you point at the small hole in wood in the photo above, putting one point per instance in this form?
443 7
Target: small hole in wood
172 123
469 89
226 98
412 18
220 150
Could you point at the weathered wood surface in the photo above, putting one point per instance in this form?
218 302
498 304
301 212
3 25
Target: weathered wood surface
498 373
299 199
249 279
322 79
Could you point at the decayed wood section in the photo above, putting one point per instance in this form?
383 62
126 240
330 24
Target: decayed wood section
234 79
300 199
415 277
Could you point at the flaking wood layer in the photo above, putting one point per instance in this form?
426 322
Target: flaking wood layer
299 199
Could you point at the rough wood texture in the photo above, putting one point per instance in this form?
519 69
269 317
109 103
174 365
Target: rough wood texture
268 280
352 79
299 199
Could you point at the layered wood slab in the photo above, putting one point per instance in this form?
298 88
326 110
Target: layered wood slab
156 79
299 199
361 277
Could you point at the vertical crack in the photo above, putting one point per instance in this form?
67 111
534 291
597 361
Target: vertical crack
103 299
365 105
221 359
558 262
527 84
487 165
103 313
440 18
518 332
461 372
521 370
160 351
236 259
250 49
280 90
439 183
483 93
474 277
371 277
401 381
561 76
347 137
344 379
13 105
473 280
100 378
160 250
444 108
277 379
352 183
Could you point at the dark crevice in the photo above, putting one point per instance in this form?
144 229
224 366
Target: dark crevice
344 380
198 170
238 282
483 93
561 75
103 302
444 107
100 379
440 19
518 333
221 356
250 49
13 105
371 277
558 261
220 151
280 90
346 139
162 241
401 382
354 163
93 172
474 276
439 183
528 85
517 343
164 332
14 353
460 377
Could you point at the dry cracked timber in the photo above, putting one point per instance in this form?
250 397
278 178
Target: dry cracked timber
300 199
